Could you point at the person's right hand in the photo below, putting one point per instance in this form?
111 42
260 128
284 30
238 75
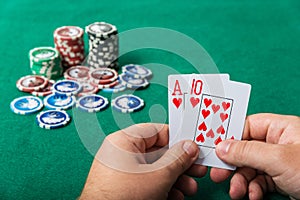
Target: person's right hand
270 161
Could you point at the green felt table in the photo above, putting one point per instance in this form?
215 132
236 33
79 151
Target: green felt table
256 42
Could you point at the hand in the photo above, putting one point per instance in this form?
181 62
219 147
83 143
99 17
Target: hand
134 164
270 161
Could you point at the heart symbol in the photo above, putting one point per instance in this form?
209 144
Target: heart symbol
215 108
200 138
177 102
221 130
232 138
207 102
194 101
218 140
223 116
202 127
205 113
225 105
210 134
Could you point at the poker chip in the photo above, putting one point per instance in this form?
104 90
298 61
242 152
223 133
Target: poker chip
137 71
105 85
127 103
119 87
69 42
52 119
133 83
31 83
87 88
26 105
45 61
44 91
67 87
103 45
103 75
59 101
77 73
92 103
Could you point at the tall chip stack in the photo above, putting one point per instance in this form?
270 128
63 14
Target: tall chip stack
103 45
45 61
69 42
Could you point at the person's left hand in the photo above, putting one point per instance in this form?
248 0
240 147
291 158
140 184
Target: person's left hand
134 164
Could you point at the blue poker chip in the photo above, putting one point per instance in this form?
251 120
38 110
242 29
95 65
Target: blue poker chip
133 83
26 105
127 103
59 101
137 71
92 103
115 89
67 87
52 119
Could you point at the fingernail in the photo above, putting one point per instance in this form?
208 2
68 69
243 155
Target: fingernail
190 149
223 147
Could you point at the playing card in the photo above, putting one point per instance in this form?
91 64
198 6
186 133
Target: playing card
214 109
184 91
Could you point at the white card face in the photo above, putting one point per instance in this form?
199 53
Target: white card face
178 115
214 110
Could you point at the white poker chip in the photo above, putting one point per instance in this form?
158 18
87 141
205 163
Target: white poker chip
92 103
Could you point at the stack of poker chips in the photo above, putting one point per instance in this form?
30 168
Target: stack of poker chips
69 42
45 61
103 45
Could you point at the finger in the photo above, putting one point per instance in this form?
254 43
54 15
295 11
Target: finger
140 137
239 182
268 127
175 194
177 160
218 175
257 188
248 154
197 171
187 185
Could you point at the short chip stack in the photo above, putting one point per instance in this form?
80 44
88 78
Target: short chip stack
45 61
103 45
69 42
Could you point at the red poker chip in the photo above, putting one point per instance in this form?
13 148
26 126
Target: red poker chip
103 75
44 91
68 32
77 73
88 88
105 85
31 83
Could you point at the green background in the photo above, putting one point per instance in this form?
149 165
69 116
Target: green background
256 42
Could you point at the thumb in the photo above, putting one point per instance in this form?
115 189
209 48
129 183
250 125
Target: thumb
254 154
178 159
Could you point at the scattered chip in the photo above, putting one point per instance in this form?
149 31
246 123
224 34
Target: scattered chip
103 75
52 119
127 103
59 101
47 90
137 71
31 83
87 88
133 83
92 103
67 87
77 73
26 105
119 87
